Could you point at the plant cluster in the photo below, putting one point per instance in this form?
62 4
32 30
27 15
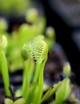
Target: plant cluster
28 49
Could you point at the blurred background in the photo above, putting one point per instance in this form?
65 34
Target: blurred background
64 16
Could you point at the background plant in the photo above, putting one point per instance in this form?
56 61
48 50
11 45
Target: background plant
4 64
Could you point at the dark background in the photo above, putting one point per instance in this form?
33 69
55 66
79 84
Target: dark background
63 36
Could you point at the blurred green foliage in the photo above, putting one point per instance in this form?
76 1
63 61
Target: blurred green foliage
14 6
25 33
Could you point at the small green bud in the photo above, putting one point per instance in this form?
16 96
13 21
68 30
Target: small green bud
32 15
26 52
3 41
67 69
50 32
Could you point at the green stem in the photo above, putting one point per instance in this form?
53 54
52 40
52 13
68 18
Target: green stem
39 91
37 71
4 72
31 92
27 73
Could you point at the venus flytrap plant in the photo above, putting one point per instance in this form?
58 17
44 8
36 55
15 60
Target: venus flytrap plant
28 69
34 56
4 65
40 52
37 51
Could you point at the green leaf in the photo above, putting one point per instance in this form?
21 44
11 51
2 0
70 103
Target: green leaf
20 101
8 101
63 91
